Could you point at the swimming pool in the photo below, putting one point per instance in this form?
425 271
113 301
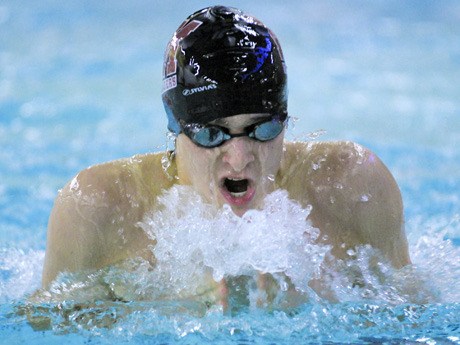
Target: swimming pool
80 84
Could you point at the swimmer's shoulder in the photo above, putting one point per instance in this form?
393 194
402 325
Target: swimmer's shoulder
311 150
312 162
329 159
335 166
142 175
336 176
351 192
94 219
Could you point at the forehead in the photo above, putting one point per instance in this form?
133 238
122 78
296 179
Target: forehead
242 120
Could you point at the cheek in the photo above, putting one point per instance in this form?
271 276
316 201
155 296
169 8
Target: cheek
192 161
199 164
203 176
200 168
270 155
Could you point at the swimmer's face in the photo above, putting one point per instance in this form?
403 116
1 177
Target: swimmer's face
240 172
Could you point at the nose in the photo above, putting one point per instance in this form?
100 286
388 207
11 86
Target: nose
238 153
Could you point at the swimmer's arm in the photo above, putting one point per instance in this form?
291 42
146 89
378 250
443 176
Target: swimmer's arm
355 200
91 224
377 212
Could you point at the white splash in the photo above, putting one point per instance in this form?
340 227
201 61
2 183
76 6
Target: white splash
20 273
194 238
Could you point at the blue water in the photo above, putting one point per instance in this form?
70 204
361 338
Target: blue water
80 84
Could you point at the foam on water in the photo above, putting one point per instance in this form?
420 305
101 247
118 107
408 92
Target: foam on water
20 273
196 240
198 245
193 236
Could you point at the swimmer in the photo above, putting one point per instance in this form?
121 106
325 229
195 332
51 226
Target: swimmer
225 95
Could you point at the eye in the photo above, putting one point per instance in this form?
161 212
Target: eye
209 136
268 130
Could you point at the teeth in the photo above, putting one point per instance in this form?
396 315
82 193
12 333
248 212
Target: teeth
238 195
237 187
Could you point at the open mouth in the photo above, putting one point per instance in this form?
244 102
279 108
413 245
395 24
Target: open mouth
236 187
238 192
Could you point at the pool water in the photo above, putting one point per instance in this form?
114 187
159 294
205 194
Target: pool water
80 84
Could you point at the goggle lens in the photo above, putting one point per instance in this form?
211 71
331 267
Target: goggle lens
267 130
210 136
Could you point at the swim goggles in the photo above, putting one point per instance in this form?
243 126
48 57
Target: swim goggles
209 136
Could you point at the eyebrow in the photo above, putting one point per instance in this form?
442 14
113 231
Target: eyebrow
248 122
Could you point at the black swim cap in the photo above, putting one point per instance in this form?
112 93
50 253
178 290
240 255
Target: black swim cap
222 62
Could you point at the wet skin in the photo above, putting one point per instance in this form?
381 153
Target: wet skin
354 198
241 172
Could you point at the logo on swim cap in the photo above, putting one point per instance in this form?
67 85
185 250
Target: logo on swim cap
188 92
170 63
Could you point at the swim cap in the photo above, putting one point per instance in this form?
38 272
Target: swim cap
222 62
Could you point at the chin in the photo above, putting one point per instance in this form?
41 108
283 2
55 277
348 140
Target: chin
240 211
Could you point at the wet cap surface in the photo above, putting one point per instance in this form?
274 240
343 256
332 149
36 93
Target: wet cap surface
222 62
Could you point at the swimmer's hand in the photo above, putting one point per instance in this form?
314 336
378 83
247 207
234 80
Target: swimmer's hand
213 293
278 293
272 292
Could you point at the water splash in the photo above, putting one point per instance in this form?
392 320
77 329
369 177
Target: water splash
133 299
20 273
316 134
303 136
437 258
198 245
168 155
195 239
357 323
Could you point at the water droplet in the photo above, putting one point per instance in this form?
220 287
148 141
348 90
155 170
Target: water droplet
351 252
338 185
364 197
74 185
316 134
168 155
361 153
166 162
316 165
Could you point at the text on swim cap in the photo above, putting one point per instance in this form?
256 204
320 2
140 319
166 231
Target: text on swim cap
188 92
